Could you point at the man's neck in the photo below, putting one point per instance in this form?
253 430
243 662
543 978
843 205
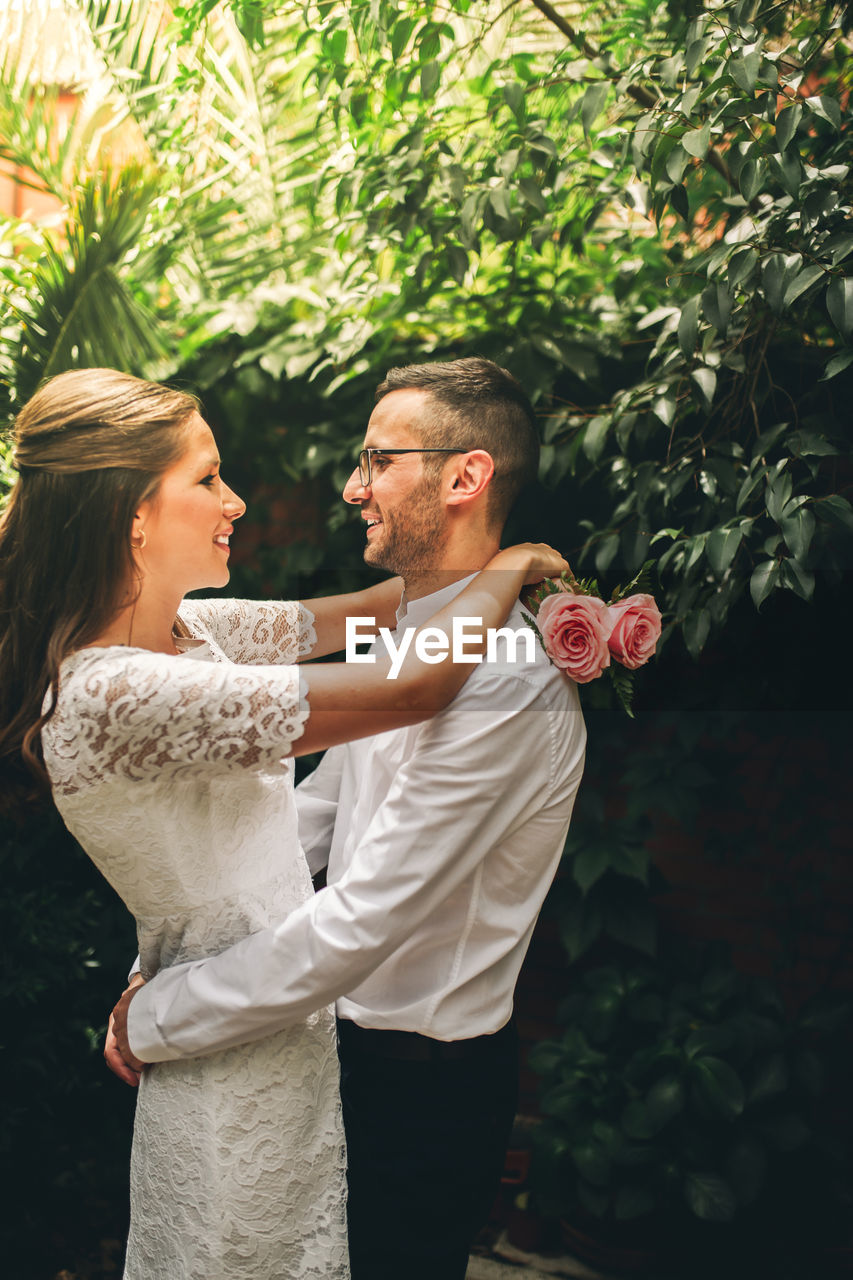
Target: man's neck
418 585
453 567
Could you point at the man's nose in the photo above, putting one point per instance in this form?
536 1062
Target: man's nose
354 490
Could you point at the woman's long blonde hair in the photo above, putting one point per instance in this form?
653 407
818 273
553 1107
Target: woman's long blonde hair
90 446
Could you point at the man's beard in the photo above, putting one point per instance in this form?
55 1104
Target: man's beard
413 543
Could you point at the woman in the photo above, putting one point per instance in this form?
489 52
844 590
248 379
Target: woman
166 729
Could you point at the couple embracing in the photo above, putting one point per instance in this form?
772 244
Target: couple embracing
274 1140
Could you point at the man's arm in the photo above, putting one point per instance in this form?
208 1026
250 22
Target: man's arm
317 798
481 769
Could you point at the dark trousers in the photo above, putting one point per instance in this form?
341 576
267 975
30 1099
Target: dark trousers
427 1126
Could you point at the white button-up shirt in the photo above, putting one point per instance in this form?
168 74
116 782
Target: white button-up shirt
441 841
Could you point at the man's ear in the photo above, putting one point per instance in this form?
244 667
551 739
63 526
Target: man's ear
468 476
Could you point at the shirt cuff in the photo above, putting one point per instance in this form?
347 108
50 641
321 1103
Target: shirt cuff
143 1034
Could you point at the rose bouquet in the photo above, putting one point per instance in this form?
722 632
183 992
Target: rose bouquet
581 633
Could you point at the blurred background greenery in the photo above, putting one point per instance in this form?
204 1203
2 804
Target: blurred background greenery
643 210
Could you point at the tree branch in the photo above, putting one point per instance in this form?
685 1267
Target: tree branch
644 97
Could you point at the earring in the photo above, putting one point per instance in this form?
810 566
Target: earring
142 543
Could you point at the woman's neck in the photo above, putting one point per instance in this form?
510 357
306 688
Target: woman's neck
146 623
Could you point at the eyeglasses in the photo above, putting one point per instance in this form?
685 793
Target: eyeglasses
364 463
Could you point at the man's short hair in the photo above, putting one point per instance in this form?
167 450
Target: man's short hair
474 404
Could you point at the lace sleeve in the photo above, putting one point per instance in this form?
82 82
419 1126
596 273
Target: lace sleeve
132 714
254 631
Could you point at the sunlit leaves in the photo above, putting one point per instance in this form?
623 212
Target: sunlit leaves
839 303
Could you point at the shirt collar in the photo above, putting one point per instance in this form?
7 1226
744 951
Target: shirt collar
417 612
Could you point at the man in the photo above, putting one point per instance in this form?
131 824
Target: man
440 842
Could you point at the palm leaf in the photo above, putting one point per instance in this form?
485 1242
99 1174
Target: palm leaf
78 305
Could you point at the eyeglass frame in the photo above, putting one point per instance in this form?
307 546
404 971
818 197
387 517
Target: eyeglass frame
368 453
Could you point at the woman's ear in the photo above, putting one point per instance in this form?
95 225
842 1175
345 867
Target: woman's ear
469 476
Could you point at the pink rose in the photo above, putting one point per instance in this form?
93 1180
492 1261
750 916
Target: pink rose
575 630
636 624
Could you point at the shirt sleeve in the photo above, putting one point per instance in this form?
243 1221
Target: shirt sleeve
489 767
135 714
254 631
317 798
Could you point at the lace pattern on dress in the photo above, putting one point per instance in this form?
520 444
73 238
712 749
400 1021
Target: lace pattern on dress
133 714
254 631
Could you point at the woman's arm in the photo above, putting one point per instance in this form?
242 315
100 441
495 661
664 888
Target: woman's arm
349 701
331 613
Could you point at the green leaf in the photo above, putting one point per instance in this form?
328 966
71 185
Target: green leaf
741 266
499 200
696 628
790 171
827 109
777 493
838 247
664 408
797 530
642 138
513 95
430 77
676 163
696 51
669 69
622 681
786 124
400 36
751 179
778 271
744 70
720 1085
457 261
580 926
765 578
837 365
593 104
717 302
809 444
802 281
839 303
837 510
532 194
721 548
697 141
797 578
605 552
680 202
710 1197
508 162
771 1078
664 1101
706 381
688 327
589 865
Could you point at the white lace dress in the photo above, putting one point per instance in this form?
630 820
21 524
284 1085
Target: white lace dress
170 773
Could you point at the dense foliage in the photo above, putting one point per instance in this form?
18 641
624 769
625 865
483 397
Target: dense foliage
643 210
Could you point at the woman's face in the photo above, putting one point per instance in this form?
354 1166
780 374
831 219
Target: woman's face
189 520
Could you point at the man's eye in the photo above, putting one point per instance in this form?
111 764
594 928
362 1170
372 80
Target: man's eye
378 460
209 480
